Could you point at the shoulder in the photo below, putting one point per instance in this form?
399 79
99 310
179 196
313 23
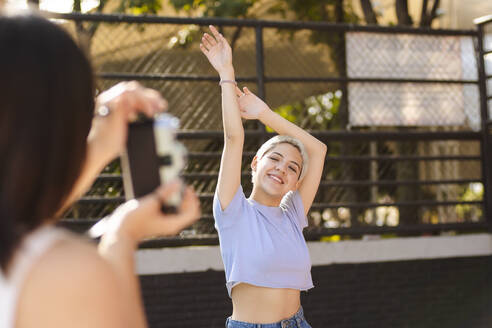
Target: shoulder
73 277
73 255
236 203
233 212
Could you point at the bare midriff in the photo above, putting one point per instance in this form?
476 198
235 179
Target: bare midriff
262 304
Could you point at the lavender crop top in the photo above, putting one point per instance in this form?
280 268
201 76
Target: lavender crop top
263 245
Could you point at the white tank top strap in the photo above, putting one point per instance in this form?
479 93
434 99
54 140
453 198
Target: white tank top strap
31 249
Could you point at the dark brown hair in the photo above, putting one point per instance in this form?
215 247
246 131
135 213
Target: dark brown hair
46 108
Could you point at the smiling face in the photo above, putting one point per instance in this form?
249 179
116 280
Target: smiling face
277 171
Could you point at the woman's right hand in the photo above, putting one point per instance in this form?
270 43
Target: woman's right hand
142 218
217 50
123 102
251 106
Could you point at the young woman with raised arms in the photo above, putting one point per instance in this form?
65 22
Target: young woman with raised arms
265 255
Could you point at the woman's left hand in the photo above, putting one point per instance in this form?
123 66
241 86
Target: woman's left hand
250 106
142 218
121 104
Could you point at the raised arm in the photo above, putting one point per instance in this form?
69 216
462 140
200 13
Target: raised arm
252 107
219 54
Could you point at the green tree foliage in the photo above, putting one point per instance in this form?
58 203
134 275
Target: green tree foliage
307 10
319 112
215 8
210 8
86 30
140 7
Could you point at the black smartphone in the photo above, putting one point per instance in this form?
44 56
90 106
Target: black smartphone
153 157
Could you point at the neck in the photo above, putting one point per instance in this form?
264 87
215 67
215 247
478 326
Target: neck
260 196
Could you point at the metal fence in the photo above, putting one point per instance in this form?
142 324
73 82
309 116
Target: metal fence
409 177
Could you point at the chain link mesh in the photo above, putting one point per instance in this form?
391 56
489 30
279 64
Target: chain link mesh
358 175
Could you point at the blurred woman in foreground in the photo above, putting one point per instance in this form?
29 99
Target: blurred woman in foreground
51 150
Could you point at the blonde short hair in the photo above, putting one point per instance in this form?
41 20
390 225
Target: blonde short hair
272 142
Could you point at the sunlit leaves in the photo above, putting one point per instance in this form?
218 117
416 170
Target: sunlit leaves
140 7
321 110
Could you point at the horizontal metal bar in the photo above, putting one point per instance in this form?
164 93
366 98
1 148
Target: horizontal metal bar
200 78
204 134
209 176
366 183
99 200
188 176
167 77
397 158
347 135
178 241
321 206
105 177
368 80
316 234
329 27
92 221
336 183
401 136
316 206
83 224
217 155
119 200
311 233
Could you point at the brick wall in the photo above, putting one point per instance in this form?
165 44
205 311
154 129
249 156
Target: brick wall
449 292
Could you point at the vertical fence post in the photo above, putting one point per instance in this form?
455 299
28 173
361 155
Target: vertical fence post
260 75
484 142
260 65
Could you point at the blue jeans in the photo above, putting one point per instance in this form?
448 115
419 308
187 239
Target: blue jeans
296 321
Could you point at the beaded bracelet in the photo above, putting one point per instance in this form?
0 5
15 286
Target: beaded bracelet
228 81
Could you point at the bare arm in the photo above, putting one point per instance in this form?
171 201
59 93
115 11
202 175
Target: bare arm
132 222
252 107
219 54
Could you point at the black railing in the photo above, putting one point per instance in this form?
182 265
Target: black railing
363 164
484 111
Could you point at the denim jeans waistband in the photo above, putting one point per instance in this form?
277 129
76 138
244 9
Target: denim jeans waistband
292 322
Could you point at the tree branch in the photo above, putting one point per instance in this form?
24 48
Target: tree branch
235 36
423 13
404 18
426 20
369 14
433 13
95 25
339 13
